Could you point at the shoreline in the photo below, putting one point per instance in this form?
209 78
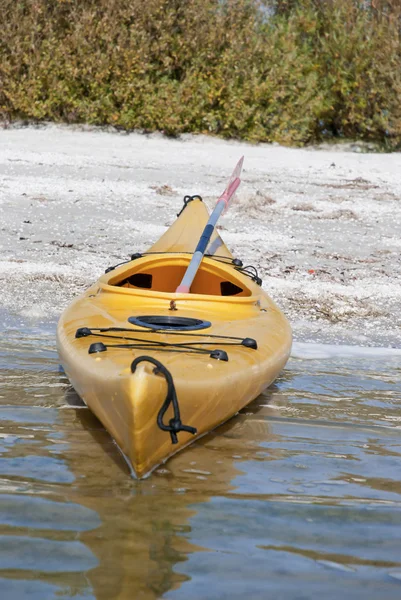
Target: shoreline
320 225
330 144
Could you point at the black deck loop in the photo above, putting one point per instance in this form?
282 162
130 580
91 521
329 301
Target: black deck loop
175 425
187 200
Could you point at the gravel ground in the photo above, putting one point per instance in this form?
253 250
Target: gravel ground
322 225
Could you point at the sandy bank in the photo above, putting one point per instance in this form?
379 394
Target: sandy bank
322 226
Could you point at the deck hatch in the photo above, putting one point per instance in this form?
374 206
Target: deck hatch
169 322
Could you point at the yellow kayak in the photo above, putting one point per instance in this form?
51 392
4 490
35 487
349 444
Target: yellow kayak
161 368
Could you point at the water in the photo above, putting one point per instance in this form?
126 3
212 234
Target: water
298 497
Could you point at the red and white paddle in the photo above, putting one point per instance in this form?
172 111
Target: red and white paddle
222 204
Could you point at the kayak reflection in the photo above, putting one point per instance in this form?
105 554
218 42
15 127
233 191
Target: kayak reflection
145 531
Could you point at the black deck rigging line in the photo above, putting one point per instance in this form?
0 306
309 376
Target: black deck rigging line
219 257
85 331
174 425
149 344
249 270
187 200
168 348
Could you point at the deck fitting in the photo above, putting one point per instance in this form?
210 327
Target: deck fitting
219 355
83 332
97 347
250 343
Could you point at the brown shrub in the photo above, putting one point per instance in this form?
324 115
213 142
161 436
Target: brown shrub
287 71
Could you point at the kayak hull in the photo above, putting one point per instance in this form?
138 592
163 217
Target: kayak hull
210 386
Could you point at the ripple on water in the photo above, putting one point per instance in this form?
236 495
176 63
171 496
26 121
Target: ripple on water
297 497
28 589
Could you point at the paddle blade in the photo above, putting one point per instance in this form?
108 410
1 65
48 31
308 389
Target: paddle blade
233 183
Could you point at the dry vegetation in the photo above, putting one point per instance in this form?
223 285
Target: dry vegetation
294 72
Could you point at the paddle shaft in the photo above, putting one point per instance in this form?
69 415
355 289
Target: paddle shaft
200 249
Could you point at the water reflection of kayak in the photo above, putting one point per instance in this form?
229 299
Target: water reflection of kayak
160 368
145 532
